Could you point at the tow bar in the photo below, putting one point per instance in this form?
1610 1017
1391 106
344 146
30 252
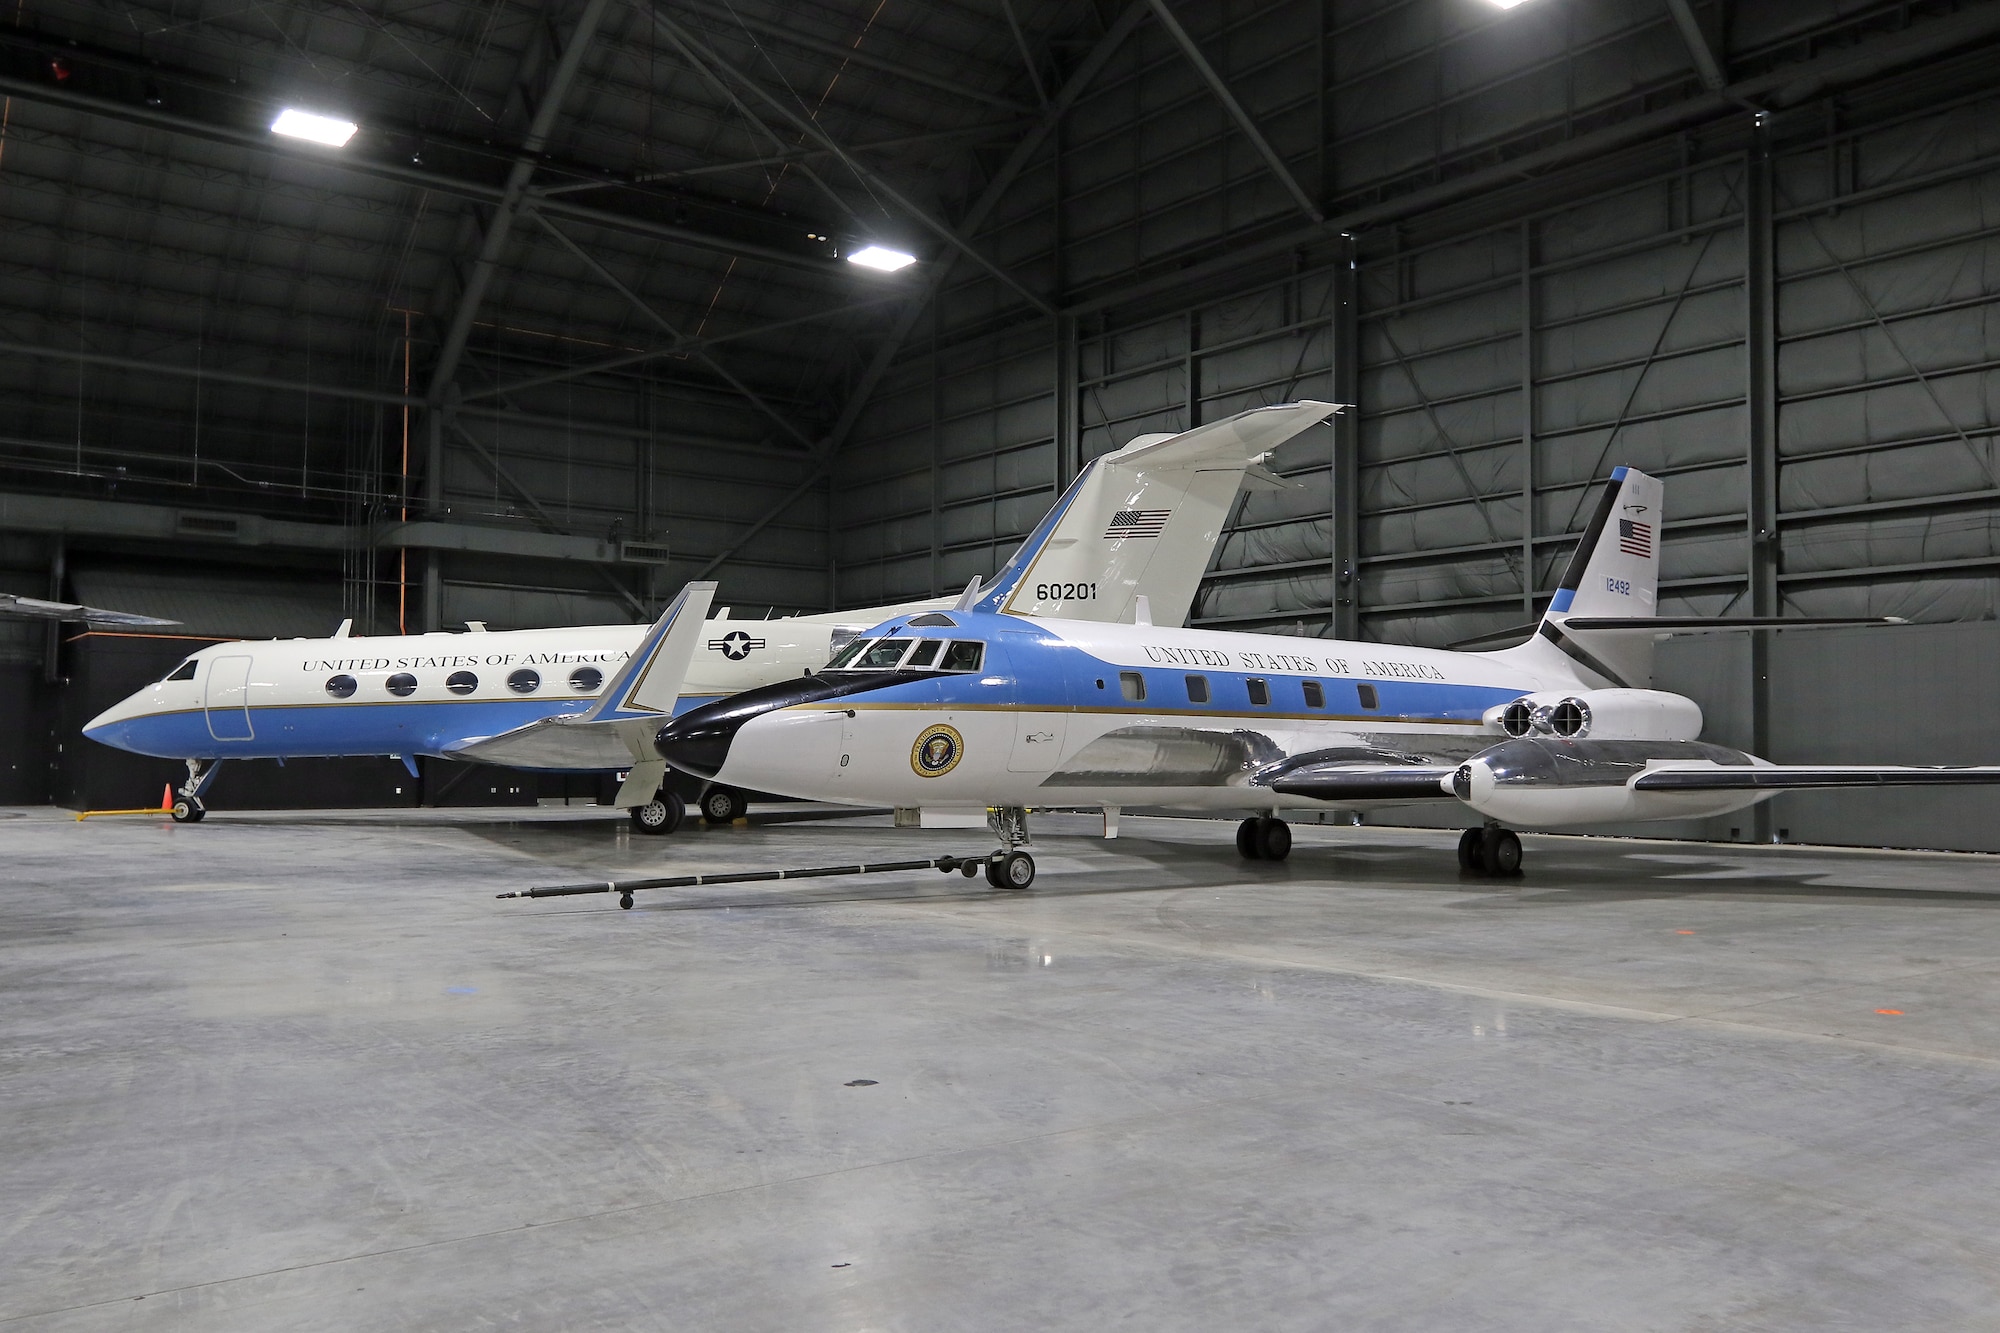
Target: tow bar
967 866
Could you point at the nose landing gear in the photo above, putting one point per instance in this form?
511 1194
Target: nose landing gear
188 807
1009 868
723 805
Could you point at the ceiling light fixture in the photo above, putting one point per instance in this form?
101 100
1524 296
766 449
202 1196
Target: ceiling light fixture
329 130
881 257
1505 4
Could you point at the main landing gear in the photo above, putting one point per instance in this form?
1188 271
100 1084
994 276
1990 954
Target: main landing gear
1264 839
661 815
1009 868
723 805
1490 851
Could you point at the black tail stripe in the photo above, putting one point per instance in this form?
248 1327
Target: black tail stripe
1577 653
1579 560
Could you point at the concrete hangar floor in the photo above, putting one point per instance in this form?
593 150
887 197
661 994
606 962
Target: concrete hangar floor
305 1072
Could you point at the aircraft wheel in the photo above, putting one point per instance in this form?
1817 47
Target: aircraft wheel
1500 852
1017 871
723 805
968 868
1274 839
1246 841
661 815
186 810
625 901
1469 855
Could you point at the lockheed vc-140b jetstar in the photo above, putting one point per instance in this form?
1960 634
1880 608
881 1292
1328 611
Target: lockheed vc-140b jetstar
981 707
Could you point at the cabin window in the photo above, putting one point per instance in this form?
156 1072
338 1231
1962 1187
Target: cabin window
883 654
185 671
402 684
926 653
1260 693
1368 699
1132 685
845 657
1315 696
461 682
525 681
340 687
963 656
1197 687
585 680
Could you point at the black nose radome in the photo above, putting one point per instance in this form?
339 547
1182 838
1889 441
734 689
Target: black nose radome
698 740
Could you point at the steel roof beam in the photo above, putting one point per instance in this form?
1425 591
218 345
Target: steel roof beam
1235 109
632 298
396 172
501 224
807 126
1705 62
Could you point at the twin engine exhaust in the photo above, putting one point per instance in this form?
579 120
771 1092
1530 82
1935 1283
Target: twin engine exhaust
1623 715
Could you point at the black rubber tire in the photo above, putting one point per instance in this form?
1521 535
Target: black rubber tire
625 901
188 811
722 805
968 868
1017 872
1469 856
1246 841
993 873
661 815
1500 852
1274 839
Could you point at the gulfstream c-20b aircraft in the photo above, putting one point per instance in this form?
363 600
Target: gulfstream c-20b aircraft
979 708
539 698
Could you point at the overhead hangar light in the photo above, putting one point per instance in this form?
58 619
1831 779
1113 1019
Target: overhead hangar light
329 130
881 257
1505 4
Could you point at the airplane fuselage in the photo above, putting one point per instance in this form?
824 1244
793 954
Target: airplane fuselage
1069 713
422 694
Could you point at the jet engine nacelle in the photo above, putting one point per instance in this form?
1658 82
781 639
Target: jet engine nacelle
1541 781
1606 715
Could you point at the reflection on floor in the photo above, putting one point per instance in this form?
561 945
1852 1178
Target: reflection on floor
305 1071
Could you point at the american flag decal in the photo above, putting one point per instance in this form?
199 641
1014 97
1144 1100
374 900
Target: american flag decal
1635 538
1138 523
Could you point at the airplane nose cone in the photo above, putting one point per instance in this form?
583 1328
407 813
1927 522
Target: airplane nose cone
698 740
697 745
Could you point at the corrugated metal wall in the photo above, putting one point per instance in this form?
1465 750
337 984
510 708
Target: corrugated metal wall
1790 318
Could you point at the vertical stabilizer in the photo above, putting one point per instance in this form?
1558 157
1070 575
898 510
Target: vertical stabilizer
1614 572
1142 521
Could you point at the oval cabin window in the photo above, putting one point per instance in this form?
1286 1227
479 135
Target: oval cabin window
525 681
585 679
461 682
340 687
402 684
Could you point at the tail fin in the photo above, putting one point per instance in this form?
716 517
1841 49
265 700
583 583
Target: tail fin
1615 572
1143 521
650 681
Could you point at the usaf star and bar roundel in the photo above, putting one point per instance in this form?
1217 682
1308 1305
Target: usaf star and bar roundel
735 645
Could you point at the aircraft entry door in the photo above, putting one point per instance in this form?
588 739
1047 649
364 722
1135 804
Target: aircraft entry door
228 699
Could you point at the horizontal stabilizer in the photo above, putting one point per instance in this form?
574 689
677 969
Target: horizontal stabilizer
1719 624
1350 782
564 742
1787 777
34 608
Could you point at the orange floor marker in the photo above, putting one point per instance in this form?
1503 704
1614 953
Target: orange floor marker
1897 1012
167 797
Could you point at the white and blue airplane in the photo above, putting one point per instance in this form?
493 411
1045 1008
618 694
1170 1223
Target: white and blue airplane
982 708
539 699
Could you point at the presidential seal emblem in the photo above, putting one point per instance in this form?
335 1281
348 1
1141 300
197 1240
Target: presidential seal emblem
937 751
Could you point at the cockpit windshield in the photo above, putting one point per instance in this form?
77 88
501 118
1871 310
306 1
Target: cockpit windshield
883 655
845 657
185 671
